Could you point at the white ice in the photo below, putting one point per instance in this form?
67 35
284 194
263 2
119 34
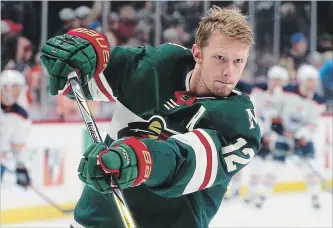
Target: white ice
287 210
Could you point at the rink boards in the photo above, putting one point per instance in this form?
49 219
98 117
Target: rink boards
54 153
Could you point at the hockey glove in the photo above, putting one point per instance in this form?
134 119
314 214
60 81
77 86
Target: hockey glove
22 177
83 50
129 160
300 143
265 142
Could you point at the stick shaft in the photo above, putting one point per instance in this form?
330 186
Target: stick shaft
96 137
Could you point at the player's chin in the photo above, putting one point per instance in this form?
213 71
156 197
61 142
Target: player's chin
7 102
222 89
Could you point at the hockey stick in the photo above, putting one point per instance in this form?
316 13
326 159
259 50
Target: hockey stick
326 185
96 137
44 197
49 201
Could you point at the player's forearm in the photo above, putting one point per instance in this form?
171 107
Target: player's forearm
185 163
165 161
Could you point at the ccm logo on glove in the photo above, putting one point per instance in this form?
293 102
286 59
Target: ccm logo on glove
100 44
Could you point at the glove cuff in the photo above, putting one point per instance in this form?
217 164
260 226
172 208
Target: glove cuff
143 155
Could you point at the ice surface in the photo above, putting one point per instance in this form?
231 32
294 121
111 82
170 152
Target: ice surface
284 210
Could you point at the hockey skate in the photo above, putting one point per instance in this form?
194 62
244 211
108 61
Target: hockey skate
315 202
259 201
249 198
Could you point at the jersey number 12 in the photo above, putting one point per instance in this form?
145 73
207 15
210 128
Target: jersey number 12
233 159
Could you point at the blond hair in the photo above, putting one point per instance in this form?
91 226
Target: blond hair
228 21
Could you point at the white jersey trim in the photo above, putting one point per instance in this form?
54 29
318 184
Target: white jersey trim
100 89
187 80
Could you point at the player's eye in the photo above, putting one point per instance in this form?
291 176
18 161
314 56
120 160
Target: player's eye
220 57
238 60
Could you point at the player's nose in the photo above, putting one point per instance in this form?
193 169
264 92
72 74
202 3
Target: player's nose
227 71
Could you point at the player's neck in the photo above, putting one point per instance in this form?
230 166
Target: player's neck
6 106
271 91
305 92
196 86
5 103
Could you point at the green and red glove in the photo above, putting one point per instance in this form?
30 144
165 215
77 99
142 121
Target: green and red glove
83 50
128 159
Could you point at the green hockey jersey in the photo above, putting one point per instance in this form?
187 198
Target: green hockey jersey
197 143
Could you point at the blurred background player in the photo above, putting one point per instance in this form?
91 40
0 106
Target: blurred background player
268 101
302 108
14 124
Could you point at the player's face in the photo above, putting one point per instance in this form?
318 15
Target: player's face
9 94
221 62
275 83
309 85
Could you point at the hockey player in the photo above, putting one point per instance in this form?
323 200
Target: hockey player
14 123
182 129
268 101
301 113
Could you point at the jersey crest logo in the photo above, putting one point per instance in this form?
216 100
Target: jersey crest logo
155 128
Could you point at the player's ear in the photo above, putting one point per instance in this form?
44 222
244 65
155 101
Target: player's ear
196 50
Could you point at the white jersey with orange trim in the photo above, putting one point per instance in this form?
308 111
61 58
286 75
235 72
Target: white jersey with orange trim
14 121
268 108
301 114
